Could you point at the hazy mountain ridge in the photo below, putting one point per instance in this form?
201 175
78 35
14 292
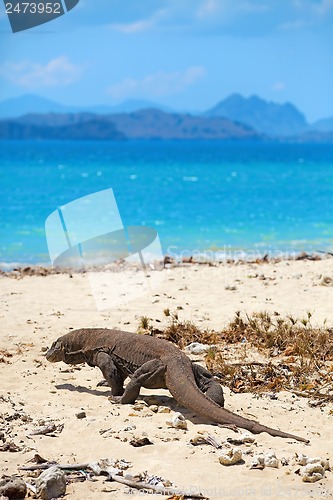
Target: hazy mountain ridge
234 118
144 124
266 117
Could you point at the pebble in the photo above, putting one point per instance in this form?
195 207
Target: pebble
177 421
312 473
231 456
13 487
81 414
51 483
197 348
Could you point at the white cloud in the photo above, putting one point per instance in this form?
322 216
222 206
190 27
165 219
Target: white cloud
31 75
140 25
158 84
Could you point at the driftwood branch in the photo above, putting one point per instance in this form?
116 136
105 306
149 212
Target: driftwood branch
50 464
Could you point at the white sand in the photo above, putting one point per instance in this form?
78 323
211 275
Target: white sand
36 310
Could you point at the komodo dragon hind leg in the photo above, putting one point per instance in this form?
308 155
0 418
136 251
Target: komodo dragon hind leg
113 376
150 375
207 384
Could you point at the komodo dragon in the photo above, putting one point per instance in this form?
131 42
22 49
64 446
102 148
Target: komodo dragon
152 363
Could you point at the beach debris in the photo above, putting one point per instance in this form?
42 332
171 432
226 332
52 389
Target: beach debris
258 462
108 466
81 414
164 409
312 473
230 456
10 446
140 405
114 469
302 459
177 421
13 487
51 483
48 429
198 348
201 439
270 459
138 442
244 438
326 281
262 460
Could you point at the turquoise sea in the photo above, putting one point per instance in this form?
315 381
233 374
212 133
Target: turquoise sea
199 196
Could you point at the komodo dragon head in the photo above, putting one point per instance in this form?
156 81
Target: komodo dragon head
56 352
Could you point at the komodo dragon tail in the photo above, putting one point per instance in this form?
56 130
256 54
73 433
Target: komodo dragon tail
181 384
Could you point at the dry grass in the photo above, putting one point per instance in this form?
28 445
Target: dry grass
296 355
289 336
303 355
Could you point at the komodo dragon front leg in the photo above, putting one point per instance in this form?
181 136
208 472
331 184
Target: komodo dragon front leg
150 375
114 377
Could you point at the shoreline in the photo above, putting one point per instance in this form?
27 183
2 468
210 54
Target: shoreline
24 269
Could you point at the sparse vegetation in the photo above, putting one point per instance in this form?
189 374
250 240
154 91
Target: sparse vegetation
303 353
294 354
185 332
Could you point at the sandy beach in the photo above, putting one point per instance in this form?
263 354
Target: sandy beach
36 310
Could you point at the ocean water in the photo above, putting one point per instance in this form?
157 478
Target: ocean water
199 196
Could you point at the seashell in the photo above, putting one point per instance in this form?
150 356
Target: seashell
230 457
246 437
153 408
312 473
177 421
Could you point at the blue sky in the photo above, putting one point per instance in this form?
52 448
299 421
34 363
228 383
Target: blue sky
186 54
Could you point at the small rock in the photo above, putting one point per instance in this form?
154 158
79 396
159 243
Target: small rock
258 462
13 487
197 348
246 437
312 473
302 459
51 483
177 421
270 459
230 457
81 414
138 442
164 409
326 281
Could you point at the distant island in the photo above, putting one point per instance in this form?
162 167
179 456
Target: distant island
233 119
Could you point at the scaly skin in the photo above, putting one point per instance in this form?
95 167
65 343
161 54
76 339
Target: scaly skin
155 364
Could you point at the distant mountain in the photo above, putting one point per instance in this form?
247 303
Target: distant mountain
324 125
144 124
30 103
266 117
95 128
254 119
